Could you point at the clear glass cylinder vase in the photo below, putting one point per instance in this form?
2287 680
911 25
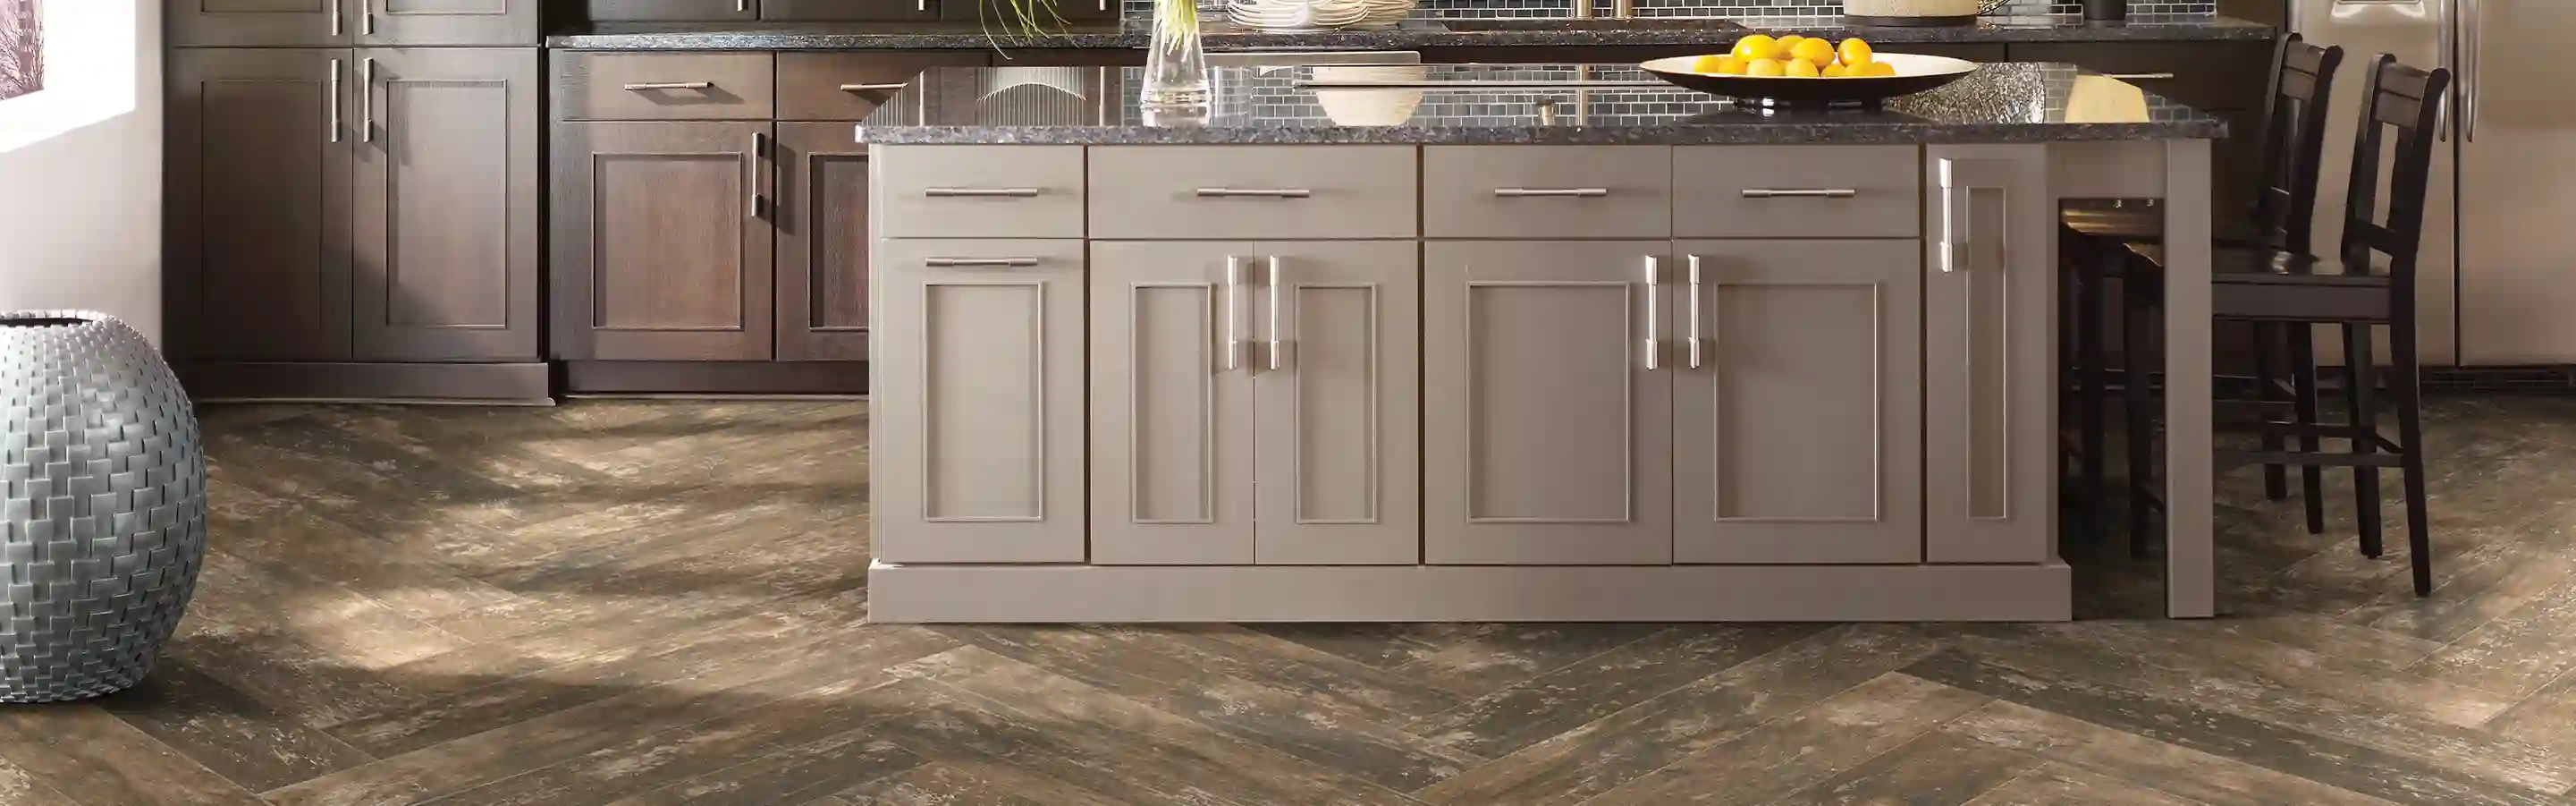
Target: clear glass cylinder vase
1176 71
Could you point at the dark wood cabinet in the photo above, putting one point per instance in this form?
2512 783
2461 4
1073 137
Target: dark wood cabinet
673 10
822 243
447 22
257 204
662 245
850 10
259 22
446 242
301 23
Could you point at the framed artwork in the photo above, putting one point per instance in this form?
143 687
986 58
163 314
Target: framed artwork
22 40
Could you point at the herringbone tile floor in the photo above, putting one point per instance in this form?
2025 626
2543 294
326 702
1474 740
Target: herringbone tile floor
662 603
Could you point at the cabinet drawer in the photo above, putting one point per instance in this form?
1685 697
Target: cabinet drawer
1547 192
979 191
663 86
1253 192
2210 76
1797 192
847 86
848 10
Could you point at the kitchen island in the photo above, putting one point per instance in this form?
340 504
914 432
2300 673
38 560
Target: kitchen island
1503 342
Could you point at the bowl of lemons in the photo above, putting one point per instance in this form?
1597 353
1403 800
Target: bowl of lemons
1805 71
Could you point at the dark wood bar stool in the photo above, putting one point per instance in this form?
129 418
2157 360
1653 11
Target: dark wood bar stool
2097 241
2370 284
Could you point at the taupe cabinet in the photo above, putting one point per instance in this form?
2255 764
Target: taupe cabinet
352 22
370 204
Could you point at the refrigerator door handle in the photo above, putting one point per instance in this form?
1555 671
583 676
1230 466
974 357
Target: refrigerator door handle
2473 26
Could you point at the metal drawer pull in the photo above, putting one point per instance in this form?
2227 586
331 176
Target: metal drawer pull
1526 193
1800 193
367 17
1229 193
1654 347
980 193
979 262
334 8
2139 76
366 100
872 87
335 98
1953 229
672 85
1233 302
1276 291
1692 264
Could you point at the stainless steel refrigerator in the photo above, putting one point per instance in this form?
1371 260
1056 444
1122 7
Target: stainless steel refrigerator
2498 286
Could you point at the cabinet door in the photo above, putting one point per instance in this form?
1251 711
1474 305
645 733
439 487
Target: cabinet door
1551 435
990 14
1990 429
977 433
446 244
822 243
662 251
260 22
1797 402
850 10
679 10
1171 375
1337 404
257 209
447 22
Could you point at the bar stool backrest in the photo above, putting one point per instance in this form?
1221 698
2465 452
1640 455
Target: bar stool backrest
2407 101
2294 142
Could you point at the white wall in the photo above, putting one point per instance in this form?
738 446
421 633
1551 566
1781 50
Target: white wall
80 211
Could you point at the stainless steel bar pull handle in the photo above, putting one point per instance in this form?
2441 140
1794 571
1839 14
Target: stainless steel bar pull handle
1277 290
742 5
980 193
1525 193
334 121
367 17
1692 265
1233 303
1953 229
1254 193
888 87
1654 346
1800 193
2139 76
979 262
332 8
671 85
759 152
366 100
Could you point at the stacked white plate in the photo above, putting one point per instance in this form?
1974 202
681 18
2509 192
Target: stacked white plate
1387 12
1298 15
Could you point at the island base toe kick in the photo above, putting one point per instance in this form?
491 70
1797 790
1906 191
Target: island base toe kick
1056 594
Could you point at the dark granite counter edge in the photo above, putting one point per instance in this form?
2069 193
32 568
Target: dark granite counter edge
2218 29
1785 134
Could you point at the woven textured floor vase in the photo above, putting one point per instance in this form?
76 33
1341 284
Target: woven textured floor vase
102 505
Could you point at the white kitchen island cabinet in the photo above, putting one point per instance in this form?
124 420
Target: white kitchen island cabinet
1692 364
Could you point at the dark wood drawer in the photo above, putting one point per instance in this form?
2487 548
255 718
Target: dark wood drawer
680 10
2209 76
850 10
663 86
1067 10
847 86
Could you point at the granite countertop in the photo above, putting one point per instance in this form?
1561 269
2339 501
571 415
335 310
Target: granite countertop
1412 34
2000 103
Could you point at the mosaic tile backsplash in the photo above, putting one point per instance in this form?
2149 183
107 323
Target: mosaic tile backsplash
1437 9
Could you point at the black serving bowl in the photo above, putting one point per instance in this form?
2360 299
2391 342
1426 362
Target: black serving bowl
1914 73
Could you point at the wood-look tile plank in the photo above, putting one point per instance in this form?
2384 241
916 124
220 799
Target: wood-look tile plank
1594 757
81 752
2391 775
813 770
239 597
1935 769
2369 645
1552 703
2207 650
2127 756
962 727
2517 653
2060 785
1776 759
308 683
1384 646
1318 729
227 731
1488 660
283 538
1264 658
19 787
1198 756
962 781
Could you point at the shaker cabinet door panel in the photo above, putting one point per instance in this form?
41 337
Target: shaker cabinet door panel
1338 403
850 10
1172 453
977 436
674 10
1797 402
1990 444
446 232
822 226
259 22
1549 440
447 22
662 248
258 202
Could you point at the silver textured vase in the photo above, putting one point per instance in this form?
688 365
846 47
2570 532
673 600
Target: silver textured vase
102 505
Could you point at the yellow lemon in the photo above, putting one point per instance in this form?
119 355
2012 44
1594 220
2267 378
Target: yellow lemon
1878 70
1815 52
1835 71
1801 68
1712 65
1857 53
1787 43
1765 67
1753 47
1729 65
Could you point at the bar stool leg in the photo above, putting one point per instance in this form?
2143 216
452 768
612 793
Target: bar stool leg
2360 387
2137 345
2267 377
2303 375
2410 438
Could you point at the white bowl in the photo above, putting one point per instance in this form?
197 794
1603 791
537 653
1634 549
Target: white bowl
1368 107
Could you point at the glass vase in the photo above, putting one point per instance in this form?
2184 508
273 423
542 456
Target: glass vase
1176 71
